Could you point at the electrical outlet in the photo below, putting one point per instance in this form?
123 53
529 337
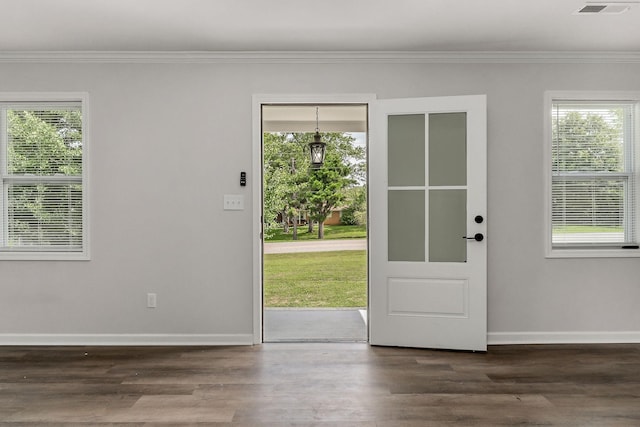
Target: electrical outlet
152 300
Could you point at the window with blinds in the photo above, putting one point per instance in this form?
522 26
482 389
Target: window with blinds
41 172
593 178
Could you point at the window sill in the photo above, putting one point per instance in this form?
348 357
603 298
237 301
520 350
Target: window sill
44 256
593 253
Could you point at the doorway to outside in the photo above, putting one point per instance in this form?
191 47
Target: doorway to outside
314 251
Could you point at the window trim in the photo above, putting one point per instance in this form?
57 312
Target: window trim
597 96
83 99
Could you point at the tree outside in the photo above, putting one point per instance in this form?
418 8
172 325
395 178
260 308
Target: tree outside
355 210
294 192
588 157
42 147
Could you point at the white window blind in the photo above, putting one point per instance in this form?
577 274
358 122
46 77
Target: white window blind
41 172
593 187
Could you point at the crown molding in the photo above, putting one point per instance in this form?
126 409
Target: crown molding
316 57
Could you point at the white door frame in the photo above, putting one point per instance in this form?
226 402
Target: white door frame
257 102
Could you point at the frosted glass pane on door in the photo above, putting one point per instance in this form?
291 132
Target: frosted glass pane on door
447 225
406 229
447 149
406 150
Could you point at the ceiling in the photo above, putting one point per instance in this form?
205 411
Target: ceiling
302 118
314 25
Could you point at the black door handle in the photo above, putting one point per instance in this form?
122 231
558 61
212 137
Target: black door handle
478 237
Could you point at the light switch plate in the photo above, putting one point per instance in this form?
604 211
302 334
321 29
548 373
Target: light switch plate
233 202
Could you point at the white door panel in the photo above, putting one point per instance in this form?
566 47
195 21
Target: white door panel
427 161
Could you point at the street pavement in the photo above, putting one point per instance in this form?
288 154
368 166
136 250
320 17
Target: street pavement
315 246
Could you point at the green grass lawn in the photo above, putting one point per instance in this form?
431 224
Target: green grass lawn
330 232
316 279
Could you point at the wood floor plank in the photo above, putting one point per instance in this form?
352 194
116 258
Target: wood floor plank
324 385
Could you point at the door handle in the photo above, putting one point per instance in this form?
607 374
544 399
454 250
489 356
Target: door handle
478 237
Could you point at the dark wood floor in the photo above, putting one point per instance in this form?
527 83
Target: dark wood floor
320 385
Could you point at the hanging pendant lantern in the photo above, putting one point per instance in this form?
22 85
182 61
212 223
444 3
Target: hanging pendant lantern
317 148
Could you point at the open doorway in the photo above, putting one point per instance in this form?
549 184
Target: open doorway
314 247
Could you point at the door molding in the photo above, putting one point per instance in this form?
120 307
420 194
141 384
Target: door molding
257 101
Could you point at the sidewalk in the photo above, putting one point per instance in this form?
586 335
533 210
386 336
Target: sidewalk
315 325
315 246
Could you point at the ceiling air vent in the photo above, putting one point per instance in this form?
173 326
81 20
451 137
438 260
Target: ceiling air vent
604 8
593 8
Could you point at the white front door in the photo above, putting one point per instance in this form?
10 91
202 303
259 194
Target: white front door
427 201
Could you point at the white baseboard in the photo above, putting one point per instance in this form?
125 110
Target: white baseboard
504 338
127 339
493 338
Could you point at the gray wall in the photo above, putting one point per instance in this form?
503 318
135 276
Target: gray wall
168 140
